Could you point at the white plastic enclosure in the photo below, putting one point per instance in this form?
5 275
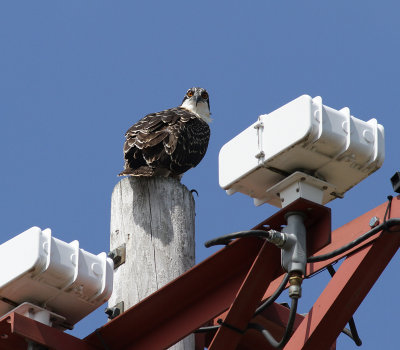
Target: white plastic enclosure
307 136
59 276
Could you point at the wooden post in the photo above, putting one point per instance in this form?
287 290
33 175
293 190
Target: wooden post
154 218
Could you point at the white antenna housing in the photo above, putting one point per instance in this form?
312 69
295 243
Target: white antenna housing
53 275
330 150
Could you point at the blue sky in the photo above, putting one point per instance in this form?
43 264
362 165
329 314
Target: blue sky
74 76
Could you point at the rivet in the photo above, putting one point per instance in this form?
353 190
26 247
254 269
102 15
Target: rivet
374 222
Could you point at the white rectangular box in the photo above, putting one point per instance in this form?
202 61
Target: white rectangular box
59 276
303 135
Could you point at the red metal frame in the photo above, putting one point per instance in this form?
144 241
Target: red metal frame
344 292
229 285
249 296
15 328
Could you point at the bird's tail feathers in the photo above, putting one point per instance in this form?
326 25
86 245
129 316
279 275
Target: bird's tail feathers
141 171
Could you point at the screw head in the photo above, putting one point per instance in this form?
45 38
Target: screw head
109 312
112 312
374 222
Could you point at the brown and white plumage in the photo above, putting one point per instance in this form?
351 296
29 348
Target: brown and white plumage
170 142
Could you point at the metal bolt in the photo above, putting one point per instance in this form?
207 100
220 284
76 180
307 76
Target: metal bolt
260 155
116 258
277 238
374 222
295 281
112 312
118 255
259 125
115 311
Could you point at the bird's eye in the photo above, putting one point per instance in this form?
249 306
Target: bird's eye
189 93
204 95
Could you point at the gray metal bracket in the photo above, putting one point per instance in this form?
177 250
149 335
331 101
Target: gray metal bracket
118 255
294 251
115 311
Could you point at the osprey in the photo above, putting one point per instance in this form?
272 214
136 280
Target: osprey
170 142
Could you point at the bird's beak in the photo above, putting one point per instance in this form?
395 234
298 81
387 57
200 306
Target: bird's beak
198 98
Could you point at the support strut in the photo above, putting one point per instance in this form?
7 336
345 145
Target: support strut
221 284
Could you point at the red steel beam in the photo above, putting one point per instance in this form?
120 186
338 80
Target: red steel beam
340 237
344 235
9 340
185 304
352 230
208 289
223 315
343 294
15 328
265 267
274 318
317 221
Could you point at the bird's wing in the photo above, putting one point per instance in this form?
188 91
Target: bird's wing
156 121
154 133
189 145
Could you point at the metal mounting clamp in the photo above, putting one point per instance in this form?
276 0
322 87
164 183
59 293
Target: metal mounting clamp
118 255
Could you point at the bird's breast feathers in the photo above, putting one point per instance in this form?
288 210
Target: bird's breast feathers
201 109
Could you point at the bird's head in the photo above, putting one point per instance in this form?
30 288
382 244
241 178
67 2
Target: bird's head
197 101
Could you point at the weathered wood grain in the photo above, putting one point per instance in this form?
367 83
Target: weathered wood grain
155 218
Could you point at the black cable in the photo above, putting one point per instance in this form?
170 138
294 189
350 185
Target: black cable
226 239
385 226
260 309
288 332
382 227
388 208
231 327
352 333
8 301
274 296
